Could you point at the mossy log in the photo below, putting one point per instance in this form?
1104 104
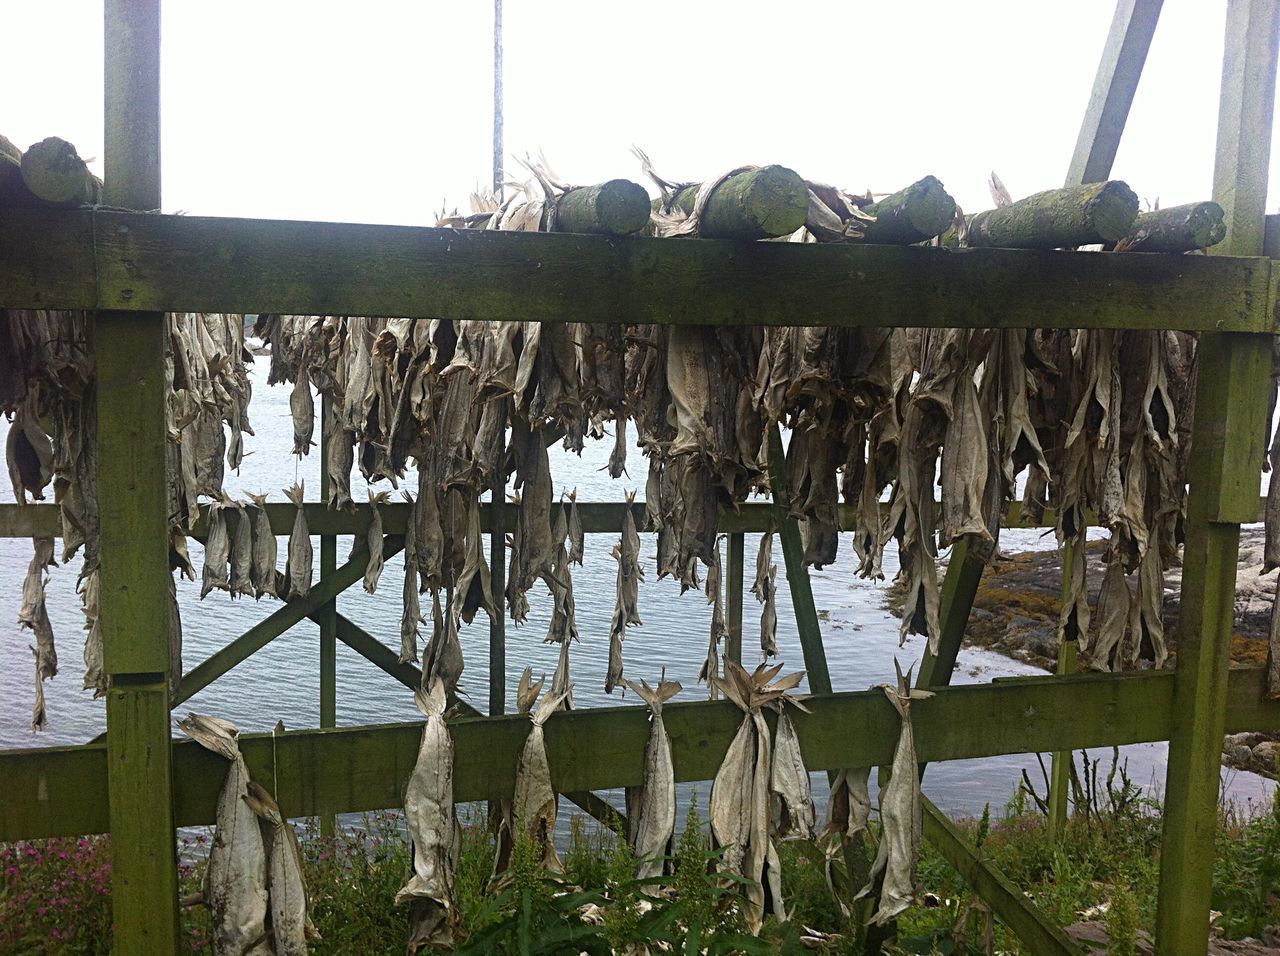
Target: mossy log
54 172
761 203
12 189
1059 218
1196 225
915 214
616 208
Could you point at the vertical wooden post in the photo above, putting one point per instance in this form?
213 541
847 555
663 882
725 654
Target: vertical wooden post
498 577
132 497
733 595
1232 378
959 587
328 612
1114 86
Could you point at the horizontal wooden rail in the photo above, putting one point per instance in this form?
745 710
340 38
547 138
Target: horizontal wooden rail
62 790
1041 935
105 259
34 520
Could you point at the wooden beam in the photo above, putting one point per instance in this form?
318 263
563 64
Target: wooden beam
959 587
1114 87
190 263
1041 935
1230 422
276 623
733 596
18 521
326 615
134 530
62 790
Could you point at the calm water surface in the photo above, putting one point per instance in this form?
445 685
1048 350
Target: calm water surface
281 682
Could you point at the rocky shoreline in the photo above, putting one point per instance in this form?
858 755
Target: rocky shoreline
1016 609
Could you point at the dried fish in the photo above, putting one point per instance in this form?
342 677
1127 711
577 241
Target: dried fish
443 657
34 614
240 540
433 829
29 453
709 673
893 873
300 559
262 569
651 811
791 798
217 550
577 540
534 803
626 611
236 880
411 616
291 926
474 588
302 408
373 541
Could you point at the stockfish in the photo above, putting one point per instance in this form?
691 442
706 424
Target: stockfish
893 873
291 926
217 550
626 611
240 540
433 829
373 541
236 879
765 588
411 616
302 409
474 588
577 541
299 559
534 803
442 659
709 673
34 615
339 460
651 807
262 569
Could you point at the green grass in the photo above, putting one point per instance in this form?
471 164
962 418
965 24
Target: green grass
55 894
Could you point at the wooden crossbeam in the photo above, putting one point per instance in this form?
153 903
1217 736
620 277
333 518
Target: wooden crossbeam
103 259
62 790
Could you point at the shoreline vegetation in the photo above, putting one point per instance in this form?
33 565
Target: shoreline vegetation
1099 879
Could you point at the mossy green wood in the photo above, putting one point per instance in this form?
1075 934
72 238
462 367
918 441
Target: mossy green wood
1040 934
62 790
1230 422
762 203
188 263
276 623
733 595
1195 225
618 207
806 612
134 529
1058 218
497 527
1060 774
53 172
326 617
915 214
959 587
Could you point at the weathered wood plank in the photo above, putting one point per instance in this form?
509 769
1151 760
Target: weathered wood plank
959 587
62 790
1041 935
1230 424
733 595
1114 87
189 263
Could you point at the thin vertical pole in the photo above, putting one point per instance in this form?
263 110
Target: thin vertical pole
1230 418
132 498
328 612
497 98
498 577
733 595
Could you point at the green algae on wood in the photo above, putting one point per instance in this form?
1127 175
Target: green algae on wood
1196 225
618 207
915 214
54 172
759 203
1059 218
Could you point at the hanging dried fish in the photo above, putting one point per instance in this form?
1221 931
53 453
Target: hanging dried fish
300 560
29 453
302 408
893 873
443 657
626 610
791 797
262 569
411 616
217 550
651 807
240 540
534 803
373 541
433 829
474 588
339 460
291 926
95 677
740 801
34 614
577 541
526 696
709 673
236 879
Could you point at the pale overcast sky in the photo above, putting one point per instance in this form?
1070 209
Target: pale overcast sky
380 111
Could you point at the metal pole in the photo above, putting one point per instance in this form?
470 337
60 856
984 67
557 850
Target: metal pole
497 98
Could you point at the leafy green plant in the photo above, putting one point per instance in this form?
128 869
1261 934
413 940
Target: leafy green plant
1247 875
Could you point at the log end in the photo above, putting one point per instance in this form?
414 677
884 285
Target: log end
916 214
1112 211
622 208
775 201
54 172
